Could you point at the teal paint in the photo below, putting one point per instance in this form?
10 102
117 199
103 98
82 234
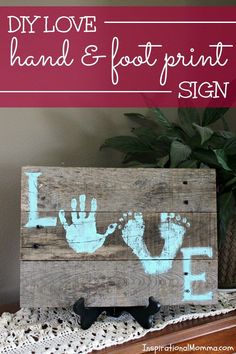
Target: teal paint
172 230
34 219
133 233
189 277
82 235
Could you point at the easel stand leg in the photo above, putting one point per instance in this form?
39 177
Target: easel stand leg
142 314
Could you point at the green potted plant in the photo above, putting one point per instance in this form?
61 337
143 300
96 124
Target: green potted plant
192 141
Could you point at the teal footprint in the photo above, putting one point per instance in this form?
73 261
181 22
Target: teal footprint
172 230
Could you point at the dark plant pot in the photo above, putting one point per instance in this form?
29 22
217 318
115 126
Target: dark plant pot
227 258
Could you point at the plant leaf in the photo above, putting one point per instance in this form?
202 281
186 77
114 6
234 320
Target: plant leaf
188 164
202 165
230 182
135 115
188 116
212 114
225 134
148 157
212 158
176 132
141 120
226 207
216 141
161 118
205 133
136 164
231 162
146 135
230 147
225 124
208 157
126 144
162 146
221 158
190 113
163 161
178 153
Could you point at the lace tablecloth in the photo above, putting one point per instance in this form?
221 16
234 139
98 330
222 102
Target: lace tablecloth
58 331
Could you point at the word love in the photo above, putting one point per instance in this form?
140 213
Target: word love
63 24
82 236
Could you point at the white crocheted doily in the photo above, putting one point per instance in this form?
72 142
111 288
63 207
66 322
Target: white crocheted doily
58 331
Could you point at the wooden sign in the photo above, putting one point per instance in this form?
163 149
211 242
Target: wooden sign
117 236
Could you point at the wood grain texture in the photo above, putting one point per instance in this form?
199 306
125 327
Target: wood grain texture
50 243
52 274
114 283
154 190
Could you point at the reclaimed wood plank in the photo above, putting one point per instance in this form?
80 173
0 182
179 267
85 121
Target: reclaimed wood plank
117 189
109 283
56 268
50 243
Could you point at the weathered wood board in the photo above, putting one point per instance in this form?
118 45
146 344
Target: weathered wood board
59 283
118 236
50 243
121 189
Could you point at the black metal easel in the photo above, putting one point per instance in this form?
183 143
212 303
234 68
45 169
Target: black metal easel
142 314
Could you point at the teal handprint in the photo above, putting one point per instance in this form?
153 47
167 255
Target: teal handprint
82 235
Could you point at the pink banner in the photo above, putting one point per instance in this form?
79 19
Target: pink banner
117 56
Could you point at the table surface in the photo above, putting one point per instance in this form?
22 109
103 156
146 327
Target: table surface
211 331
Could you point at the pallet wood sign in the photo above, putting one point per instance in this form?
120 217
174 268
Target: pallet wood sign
117 236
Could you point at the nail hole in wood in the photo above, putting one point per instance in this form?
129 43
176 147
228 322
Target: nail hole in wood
185 273
186 202
35 245
185 182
